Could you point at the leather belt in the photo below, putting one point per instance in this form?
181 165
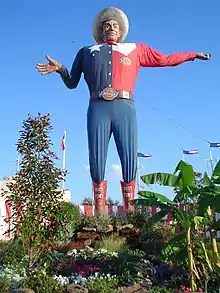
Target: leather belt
110 94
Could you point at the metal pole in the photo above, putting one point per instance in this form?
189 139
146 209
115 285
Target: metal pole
64 157
138 175
211 160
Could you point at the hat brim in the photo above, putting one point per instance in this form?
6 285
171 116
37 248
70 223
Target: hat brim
106 14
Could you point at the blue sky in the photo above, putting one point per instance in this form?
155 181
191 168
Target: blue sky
188 93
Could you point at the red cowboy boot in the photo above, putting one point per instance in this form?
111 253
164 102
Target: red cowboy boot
128 193
99 191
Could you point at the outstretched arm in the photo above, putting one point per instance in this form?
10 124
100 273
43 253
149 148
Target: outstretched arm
150 57
72 78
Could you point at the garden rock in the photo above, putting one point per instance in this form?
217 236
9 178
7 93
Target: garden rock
74 288
105 229
125 227
73 245
89 229
23 290
86 235
137 288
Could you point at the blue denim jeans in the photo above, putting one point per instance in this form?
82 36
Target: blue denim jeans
117 117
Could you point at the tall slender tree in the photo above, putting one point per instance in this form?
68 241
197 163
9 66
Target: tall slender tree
37 219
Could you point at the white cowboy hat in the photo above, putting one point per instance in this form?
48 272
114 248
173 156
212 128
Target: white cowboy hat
110 13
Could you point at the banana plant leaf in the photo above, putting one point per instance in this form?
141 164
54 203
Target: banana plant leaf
206 180
199 221
180 257
148 203
164 179
144 202
173 247
183 218
217 190
208 199
216 174
159 197
185 193
186 174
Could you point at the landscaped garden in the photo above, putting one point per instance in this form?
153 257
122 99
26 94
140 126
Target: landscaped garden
55 249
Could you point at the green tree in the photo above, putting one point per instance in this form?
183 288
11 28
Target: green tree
37 219
87 200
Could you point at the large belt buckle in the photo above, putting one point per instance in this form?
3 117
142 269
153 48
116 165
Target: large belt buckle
108 94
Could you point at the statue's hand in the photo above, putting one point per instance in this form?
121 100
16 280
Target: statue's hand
202 56
52 66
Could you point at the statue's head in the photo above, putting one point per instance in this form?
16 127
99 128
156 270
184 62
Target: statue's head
111 31
111 24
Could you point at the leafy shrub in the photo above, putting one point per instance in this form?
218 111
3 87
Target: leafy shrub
102 284
161 231
129 266
95 221
5 285
11 276
13 252
73 220
41 282
112 243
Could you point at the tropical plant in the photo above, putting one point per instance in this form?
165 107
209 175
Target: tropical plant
188 219
209 205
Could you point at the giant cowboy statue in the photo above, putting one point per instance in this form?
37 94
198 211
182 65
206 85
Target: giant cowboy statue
110 68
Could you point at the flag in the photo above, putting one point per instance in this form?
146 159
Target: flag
63 143
214 144
141 155
191 152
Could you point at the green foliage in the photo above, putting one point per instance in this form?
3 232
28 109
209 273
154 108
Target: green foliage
13 252
160 290
11 275
87 200
137 219
112 243
42 282
38 217
129 266
102 284
73 220
165 179
5 285
112 202
95 221
159 230
153 237
4 246
200 196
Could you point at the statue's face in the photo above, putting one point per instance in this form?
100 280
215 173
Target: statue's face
111 31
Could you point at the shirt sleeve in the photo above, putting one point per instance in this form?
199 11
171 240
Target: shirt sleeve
72 78
150 57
